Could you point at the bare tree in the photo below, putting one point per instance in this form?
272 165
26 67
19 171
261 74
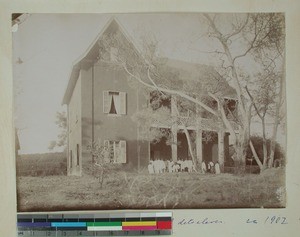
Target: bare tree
278 117
244 35
265 97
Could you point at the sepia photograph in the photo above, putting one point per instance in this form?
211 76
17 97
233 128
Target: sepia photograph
149 111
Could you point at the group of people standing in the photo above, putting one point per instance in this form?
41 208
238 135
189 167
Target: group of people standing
210 167
161 166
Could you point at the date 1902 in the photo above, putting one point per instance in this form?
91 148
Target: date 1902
279 220
276 220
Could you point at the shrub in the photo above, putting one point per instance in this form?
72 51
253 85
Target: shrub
101 159
257 141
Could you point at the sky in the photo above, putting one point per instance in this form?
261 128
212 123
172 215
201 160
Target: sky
46 45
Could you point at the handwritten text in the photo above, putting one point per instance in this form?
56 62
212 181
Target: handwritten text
204 221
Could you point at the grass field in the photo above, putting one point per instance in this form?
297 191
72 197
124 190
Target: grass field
41 164
125 190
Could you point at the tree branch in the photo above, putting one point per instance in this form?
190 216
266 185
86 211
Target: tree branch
170 91
212 24
253 103
224 118
238 30
255 155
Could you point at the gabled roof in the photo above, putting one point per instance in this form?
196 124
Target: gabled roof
91 55
186 70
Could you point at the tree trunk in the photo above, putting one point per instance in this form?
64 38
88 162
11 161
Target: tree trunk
186 132
265 150
276 123
273 143
188 138
242 143
241 147
255 155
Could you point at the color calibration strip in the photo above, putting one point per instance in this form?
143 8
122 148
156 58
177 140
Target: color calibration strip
100 224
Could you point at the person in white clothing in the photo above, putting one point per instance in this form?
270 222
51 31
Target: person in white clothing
217 168
150 167
211 167
203 167
170 166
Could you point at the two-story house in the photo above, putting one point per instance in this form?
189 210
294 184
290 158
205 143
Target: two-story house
101 102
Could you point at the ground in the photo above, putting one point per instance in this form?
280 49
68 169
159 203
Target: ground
124 190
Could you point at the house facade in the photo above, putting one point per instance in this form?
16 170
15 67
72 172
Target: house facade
101 104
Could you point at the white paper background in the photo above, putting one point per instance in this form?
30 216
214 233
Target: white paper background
235 219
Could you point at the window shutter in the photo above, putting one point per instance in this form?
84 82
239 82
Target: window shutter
115 149
122 147
123 103
106 106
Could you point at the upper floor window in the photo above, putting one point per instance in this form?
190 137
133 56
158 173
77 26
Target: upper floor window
186 108
114 102
158 100
230 108
210 102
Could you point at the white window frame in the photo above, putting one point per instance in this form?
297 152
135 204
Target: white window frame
122 110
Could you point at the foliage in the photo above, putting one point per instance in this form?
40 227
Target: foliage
147 118
102 160
264 92
61 122
258 145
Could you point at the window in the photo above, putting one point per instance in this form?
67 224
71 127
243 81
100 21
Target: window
230 108
114 102
186 108
213 104
71 159
77 154
113 54
158 100
109 54
117 151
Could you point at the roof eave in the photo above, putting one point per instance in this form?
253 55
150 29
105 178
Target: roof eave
76 65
